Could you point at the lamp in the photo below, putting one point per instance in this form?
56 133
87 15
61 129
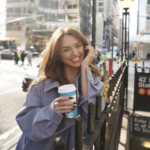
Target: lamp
126 4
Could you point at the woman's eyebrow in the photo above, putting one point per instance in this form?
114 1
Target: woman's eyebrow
64 47
77 43
69 46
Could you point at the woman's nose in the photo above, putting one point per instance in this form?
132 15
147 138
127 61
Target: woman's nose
74 51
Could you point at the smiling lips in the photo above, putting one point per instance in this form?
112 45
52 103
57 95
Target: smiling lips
75 59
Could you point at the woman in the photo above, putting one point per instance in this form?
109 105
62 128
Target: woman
67 60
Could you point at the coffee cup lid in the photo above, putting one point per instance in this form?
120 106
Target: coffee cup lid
66 88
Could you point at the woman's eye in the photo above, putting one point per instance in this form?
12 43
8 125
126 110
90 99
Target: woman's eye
65 50
78 45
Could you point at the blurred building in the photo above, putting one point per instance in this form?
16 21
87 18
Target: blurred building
142 39
2 18
38 19
120 35
110 24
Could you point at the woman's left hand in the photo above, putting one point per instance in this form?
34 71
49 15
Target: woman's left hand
89 52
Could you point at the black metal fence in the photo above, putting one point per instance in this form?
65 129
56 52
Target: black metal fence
103 129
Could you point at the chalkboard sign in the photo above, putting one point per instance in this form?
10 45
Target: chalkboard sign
142 92
141 126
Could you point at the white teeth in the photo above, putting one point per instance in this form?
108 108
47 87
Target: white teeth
75 59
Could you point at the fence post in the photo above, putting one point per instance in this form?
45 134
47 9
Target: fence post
59 144
134 96
98 107
78 133
97 142
110 84
143 66
90 121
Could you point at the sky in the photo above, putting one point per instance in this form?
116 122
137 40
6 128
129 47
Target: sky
133 17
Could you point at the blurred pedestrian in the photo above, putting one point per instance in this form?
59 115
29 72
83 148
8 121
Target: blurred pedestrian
29 57
23 55
19 55
133 54
117 54
16 58
67 60
98 56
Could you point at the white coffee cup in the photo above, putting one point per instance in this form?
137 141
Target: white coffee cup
69 90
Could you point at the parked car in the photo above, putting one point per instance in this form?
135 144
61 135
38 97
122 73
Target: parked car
30 75
148 56
7 54
35 53
1 48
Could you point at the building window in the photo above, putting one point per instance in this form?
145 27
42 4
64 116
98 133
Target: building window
74 6
9 12
49 4
72 18
148 16
10 1
17 26
17 11
147 27
17 0
23 11
9 27
101 9
69 6
101 4
148 2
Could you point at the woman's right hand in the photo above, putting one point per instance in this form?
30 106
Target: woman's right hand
64 104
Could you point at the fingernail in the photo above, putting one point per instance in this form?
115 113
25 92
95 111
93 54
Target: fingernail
74 102
72 109
70 97
75 106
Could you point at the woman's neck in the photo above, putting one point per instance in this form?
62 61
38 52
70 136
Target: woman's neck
71 74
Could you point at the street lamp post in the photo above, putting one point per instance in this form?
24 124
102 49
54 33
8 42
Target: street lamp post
126 4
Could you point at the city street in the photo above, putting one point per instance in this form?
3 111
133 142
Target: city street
11 99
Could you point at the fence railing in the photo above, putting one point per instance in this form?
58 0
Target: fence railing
103 129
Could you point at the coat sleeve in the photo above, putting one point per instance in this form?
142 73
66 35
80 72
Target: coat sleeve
95 87
37 122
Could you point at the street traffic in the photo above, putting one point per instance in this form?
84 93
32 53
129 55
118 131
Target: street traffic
11 98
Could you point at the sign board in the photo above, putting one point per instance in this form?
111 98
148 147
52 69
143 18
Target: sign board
142 92
104 43
141 126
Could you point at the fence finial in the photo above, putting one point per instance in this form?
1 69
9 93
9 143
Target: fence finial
120 61
105 79
135 59
124 58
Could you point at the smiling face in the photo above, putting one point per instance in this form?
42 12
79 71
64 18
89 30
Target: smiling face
71 52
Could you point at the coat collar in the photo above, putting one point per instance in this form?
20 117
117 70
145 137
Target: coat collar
50 85
55 84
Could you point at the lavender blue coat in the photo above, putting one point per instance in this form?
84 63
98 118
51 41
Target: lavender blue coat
41 123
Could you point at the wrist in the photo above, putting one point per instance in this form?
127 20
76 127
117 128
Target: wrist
83 66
